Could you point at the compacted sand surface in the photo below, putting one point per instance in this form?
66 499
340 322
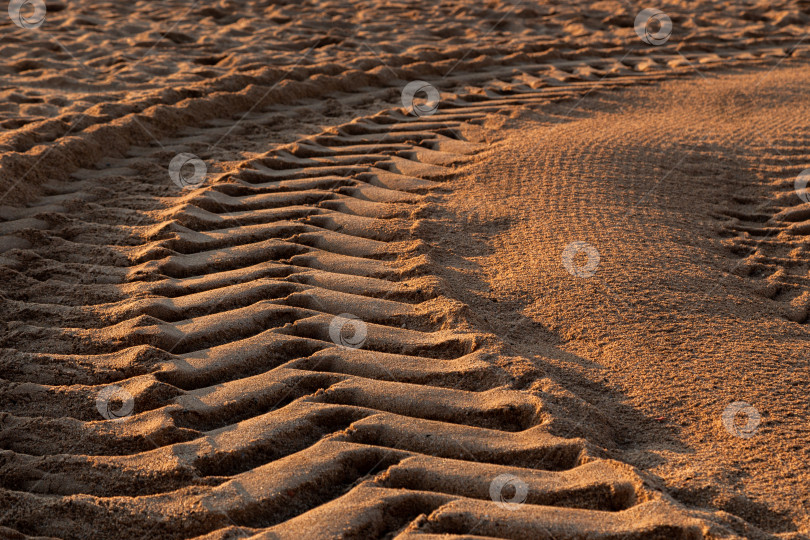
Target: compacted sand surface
248 291
685 193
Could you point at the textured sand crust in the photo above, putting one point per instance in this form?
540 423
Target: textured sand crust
481 360
700 297
100 77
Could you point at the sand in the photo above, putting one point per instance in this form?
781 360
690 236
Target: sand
366 323
699 297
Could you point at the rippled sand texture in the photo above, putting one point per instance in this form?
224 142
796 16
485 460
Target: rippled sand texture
485 392
700 296
101 77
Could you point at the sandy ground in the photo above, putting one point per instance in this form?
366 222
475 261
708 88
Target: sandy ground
100 77
524 314
690 307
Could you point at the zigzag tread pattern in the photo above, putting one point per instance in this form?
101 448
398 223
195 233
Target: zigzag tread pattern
214 313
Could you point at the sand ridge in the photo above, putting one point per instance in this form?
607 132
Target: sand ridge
226 354
697 299
129 72
212 310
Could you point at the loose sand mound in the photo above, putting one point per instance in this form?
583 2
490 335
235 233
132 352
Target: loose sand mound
335 336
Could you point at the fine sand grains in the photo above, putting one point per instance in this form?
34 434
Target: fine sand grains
277 357
99 77
686 192
337 335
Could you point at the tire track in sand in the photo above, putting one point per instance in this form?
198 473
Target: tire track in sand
215 317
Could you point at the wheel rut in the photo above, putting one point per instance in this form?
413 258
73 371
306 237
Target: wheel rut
220 313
